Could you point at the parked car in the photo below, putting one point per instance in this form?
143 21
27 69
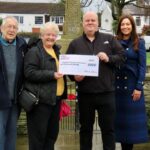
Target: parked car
147 42
106 31
146 37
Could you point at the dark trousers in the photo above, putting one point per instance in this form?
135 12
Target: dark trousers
43 126
104 103
126 146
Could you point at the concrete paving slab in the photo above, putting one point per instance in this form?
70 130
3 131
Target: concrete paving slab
70 141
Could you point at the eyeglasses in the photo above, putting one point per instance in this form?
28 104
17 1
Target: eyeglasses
51 34
12 27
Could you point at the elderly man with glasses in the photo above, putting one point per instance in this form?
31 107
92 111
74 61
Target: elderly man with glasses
12 49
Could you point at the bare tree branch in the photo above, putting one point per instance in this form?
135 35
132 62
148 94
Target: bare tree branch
86 3
145 7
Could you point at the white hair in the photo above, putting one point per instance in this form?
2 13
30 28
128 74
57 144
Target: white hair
90 13
5 20
50 25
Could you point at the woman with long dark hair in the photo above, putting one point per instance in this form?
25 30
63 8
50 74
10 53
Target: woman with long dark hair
131 119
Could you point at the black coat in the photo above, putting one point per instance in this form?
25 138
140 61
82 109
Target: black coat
5 101
102 43
39 74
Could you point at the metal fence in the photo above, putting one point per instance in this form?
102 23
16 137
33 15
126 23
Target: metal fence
71 122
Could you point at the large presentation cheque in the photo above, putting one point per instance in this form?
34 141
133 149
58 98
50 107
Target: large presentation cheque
86 65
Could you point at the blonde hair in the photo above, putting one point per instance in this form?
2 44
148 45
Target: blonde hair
50 25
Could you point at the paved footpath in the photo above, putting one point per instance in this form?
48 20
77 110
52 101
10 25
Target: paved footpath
70 141
66 141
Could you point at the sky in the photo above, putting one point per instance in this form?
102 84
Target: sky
97 6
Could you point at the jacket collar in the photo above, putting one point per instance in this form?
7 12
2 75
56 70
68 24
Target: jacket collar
6 43
96 35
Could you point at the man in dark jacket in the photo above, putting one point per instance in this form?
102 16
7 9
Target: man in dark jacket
97 93
12 50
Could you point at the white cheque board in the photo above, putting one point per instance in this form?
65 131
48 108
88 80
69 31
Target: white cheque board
86 65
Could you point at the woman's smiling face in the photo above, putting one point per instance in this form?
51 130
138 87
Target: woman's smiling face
126 27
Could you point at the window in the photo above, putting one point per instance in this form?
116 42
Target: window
106 20
61 19
138 21
57 19
19 19
38 19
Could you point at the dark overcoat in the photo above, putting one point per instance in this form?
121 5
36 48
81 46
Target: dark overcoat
21 48
39 69
131 119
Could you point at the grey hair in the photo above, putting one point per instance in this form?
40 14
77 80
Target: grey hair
50 25
7 18
90 12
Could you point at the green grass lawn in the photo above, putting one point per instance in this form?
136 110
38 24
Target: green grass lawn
148 58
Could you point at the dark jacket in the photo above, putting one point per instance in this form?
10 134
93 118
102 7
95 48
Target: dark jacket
132 74
131 119
39 74
102 43
5 101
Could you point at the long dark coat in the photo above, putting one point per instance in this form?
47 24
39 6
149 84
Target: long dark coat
21 48
131 119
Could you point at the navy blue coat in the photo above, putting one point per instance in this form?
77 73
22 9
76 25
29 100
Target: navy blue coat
131 119
5 101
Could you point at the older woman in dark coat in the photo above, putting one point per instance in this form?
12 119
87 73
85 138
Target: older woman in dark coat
131 119
44 81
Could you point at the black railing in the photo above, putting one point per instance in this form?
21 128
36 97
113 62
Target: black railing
69 123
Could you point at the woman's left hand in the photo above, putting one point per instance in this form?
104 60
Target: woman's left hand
58 75
136 95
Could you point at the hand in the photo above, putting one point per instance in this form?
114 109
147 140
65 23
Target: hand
103 57
63 100
58 75
136 95
78 78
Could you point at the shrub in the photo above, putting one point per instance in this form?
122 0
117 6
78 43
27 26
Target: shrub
0 21
28 34
146 30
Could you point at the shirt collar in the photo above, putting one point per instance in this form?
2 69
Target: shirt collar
6 43
96 35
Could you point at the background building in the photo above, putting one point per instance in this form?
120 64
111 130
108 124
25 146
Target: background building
31 16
